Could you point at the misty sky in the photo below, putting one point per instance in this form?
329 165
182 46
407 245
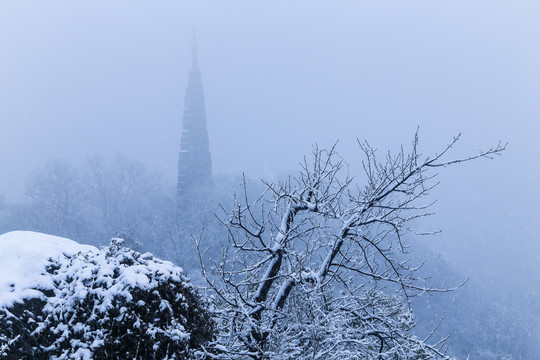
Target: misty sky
108 77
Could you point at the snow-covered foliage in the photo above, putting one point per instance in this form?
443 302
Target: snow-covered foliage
84 303
317 326
318 268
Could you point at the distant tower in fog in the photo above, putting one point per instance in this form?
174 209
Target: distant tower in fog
194 163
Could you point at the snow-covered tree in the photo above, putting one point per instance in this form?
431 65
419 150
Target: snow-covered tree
56 194
317 267
96 200
121 196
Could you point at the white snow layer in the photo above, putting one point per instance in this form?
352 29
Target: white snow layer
24 255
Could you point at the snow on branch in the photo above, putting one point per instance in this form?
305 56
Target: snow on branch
302 272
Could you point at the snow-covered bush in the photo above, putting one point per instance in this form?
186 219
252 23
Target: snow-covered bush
113 303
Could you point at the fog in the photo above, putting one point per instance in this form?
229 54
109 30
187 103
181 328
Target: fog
108 77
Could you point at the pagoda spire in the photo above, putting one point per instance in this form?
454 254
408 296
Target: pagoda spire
194 50
194 161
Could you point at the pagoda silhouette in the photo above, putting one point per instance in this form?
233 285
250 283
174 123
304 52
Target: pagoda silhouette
194 161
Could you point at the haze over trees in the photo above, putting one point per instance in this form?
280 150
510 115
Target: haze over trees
319 265
110 78
316 261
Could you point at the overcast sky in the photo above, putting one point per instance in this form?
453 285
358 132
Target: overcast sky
108 77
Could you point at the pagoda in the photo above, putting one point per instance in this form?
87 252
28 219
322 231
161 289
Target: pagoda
194 162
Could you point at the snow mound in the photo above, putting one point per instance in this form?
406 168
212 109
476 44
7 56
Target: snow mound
24 256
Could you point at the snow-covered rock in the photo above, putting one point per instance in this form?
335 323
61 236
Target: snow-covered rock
63 300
